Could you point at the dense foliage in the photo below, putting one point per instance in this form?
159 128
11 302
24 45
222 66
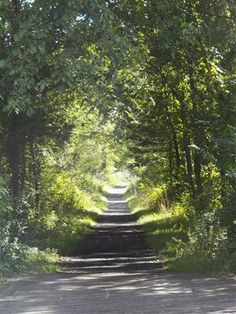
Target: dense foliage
182 123
87 85
56 144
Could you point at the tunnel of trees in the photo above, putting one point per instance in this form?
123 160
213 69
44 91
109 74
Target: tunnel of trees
90 86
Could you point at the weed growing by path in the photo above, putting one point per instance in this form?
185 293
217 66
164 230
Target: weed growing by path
185 240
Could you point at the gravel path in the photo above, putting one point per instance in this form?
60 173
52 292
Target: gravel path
115 272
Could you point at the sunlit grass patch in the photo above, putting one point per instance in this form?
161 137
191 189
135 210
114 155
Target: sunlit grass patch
67 238
163 225
40 261
29 260
185 240
162 229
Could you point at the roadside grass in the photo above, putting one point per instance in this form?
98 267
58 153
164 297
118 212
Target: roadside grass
37 261
29 261
62 239
70 232
2 279
61 242
68 237
183 241
162 228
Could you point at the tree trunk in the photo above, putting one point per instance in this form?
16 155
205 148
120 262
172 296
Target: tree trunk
174 140
197 171
13 155
186 139
188 158
36 172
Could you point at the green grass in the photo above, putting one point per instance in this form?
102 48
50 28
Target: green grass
72 226
162 228
41 262
63 238
68 236
30 261
183 240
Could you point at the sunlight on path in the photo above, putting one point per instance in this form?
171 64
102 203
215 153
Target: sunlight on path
120 292
118 190
117 276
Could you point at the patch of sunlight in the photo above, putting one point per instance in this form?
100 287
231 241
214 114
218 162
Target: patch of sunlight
130 198
117 202
118 190
155 217
87 221
138 209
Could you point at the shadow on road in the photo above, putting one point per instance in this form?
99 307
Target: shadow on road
115 272
120 292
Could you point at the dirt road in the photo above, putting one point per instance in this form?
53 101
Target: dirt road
115 272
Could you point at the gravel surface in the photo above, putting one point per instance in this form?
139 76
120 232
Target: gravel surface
115 272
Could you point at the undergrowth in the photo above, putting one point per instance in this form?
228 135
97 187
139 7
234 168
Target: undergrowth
162 227
184 239
23 259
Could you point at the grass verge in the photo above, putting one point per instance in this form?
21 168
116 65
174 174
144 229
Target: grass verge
30 261
185 241
163 228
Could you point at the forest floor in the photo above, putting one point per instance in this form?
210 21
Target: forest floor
115 272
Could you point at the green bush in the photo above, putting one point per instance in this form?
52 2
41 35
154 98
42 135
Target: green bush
206 248
162 221
15 256
154 197
21 258
187 241
35 260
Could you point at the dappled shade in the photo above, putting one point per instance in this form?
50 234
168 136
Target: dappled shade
116 242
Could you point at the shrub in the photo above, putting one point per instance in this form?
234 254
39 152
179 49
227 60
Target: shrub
14 256
154 197
206 248
35 260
